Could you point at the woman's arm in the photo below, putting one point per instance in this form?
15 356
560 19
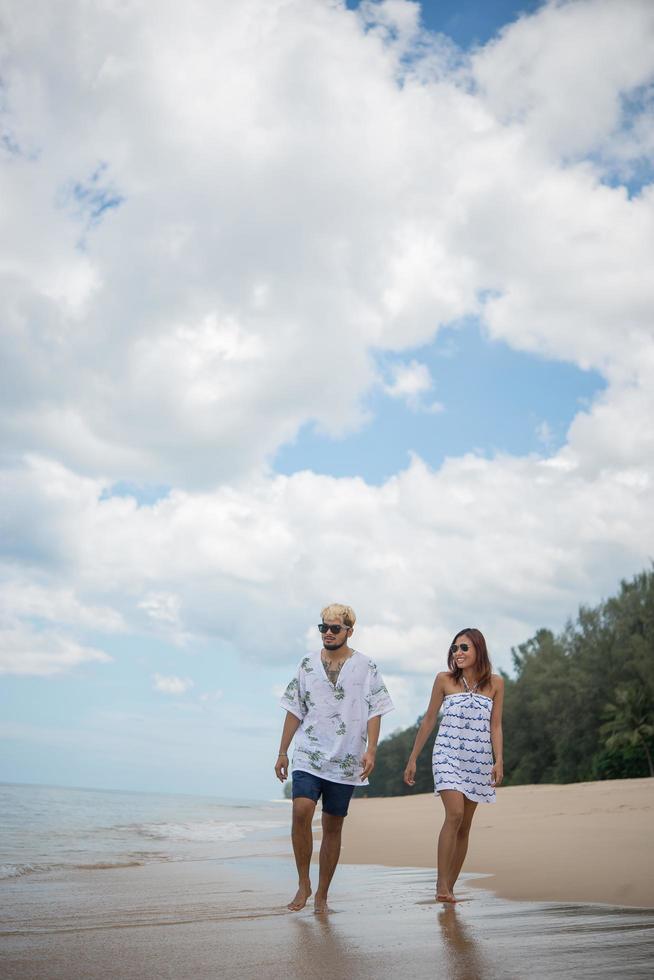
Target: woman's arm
425 730
497 772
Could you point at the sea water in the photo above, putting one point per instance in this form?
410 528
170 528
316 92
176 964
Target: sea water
45 828
141 886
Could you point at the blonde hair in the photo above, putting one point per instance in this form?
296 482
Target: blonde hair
337 611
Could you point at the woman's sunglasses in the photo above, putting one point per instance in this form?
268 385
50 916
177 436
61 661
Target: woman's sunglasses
328 628
459 646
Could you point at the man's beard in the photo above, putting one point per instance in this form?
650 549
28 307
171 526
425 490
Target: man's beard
336 646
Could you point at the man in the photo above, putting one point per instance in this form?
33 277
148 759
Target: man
334 706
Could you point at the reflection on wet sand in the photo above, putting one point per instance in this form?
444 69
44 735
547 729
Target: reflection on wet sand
320 950
464 957
228 919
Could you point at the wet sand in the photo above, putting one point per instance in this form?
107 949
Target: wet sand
226 919
583 842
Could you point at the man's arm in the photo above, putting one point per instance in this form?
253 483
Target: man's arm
368 760
291 725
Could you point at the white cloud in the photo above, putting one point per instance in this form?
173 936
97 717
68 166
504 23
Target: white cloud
164 614
285 199
24 599
26 651
506 544
172 685
411 648
162 607
263 213
542 72
410 382
396 21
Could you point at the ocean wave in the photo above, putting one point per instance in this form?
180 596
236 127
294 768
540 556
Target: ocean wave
205 832
18 870
108 865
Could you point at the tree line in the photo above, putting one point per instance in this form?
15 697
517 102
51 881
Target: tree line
580 705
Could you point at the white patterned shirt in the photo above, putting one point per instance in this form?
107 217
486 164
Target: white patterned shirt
333 735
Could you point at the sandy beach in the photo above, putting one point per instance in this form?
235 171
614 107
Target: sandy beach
228 920
539 860
584 842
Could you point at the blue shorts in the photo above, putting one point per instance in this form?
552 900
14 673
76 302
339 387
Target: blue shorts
335 796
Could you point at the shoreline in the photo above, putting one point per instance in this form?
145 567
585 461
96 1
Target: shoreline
576 842
225 915
219 917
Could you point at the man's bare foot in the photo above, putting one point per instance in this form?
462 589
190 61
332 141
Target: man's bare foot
301 898
320 904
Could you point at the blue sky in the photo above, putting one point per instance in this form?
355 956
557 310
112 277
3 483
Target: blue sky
469 22
354 339
494 400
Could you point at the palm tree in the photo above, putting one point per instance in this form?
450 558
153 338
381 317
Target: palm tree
630 720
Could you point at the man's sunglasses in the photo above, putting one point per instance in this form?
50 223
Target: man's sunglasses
459 646
328 628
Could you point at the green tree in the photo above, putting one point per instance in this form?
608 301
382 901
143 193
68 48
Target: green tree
630 721
535 709
557 723
392 754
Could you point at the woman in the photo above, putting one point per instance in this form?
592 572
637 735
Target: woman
469 738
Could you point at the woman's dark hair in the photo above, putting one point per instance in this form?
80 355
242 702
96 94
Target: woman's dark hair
482 663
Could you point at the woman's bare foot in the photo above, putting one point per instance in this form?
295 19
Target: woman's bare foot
301 898
320 904
443 893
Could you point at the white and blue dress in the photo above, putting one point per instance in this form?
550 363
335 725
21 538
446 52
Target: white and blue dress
463 755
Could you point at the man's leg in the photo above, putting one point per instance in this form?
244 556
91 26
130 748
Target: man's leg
330 850
302 837
335 802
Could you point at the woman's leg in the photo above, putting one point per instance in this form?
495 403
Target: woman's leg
461 846
453 801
